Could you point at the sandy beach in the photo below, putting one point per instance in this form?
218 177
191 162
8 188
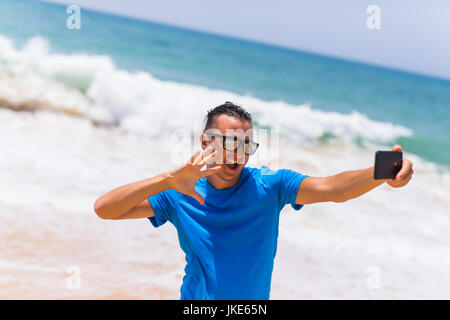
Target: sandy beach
51 175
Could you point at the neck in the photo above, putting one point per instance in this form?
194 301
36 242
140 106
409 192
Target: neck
219 183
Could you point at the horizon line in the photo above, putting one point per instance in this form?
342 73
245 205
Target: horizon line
259 42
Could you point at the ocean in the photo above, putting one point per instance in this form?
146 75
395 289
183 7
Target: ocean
84 111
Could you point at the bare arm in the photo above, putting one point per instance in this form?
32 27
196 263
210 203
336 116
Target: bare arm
348 185
130 201
338 188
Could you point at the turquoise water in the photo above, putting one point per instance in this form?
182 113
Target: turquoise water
269 73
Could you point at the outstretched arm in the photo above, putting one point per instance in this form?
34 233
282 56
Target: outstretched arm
348 185
130 201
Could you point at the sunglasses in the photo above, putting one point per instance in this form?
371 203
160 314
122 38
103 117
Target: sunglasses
233 143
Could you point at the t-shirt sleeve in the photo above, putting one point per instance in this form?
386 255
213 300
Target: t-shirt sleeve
161 207
289 181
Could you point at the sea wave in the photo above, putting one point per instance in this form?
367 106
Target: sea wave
60 164
33 78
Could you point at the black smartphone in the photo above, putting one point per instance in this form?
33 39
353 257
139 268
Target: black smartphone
387 164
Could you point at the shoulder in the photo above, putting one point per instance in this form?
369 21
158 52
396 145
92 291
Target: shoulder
265 172
266 175
276 176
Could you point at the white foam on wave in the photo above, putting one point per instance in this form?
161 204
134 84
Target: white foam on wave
138 102
61 164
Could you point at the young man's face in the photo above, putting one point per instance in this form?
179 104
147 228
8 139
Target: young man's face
231 162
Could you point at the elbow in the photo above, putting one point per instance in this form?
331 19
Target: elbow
99 208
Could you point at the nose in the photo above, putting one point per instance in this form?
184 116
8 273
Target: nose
239 156
234 157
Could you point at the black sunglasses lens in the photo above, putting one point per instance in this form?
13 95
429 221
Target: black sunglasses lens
232 144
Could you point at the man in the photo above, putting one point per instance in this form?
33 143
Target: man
227 215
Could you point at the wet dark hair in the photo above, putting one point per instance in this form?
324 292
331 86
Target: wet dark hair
227 108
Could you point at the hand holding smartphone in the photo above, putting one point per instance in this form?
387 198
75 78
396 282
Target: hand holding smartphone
387 164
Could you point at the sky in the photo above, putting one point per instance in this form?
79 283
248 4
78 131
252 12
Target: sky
414 35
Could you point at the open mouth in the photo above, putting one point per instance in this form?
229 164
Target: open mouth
232 166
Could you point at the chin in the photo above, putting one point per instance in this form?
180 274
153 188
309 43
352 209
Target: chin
227 174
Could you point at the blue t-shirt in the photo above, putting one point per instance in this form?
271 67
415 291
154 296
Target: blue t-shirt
230 242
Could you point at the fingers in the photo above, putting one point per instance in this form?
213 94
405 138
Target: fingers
405 170
409 176
410 173
404 176
397 147
208 158
210 171
193 157
203 155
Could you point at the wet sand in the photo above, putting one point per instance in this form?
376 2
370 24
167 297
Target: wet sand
54 167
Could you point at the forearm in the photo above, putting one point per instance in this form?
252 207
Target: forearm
121 200
352 184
